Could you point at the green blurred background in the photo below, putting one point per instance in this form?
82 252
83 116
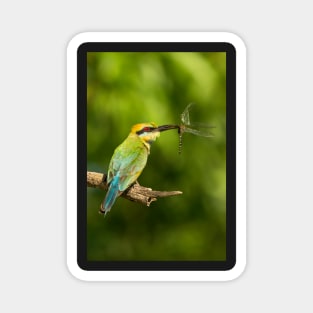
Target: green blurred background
128 88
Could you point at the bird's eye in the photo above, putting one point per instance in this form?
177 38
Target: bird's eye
146 129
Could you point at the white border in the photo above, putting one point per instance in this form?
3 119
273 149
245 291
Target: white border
72 156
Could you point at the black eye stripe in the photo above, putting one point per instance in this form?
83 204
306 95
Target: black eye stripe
144 130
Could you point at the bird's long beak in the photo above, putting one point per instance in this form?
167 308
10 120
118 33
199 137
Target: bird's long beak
166 127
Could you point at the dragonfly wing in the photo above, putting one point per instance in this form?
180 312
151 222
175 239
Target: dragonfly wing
198 132
200 125
199 129
185 115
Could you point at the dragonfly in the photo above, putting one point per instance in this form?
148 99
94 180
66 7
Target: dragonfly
186 126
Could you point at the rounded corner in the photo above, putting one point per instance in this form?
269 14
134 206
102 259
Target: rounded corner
77 40
235 41
237 270
76 271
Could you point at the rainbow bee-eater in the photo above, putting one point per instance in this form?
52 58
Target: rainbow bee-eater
129 159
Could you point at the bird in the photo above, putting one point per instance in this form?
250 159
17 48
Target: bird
129 159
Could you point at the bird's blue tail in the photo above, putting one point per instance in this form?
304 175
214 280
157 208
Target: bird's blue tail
111 195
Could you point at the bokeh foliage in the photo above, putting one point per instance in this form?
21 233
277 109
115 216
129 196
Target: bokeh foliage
128 88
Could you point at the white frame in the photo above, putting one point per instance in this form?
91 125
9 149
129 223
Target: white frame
72 156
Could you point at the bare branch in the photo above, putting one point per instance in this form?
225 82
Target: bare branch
135 192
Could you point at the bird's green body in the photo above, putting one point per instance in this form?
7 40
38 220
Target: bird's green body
128 161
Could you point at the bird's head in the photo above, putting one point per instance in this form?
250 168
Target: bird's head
149 132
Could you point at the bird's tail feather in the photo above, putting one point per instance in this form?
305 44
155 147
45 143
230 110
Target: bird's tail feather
111 195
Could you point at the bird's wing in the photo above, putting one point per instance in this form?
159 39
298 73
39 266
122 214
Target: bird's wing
128 161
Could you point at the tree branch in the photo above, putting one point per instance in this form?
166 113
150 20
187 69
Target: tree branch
135 192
